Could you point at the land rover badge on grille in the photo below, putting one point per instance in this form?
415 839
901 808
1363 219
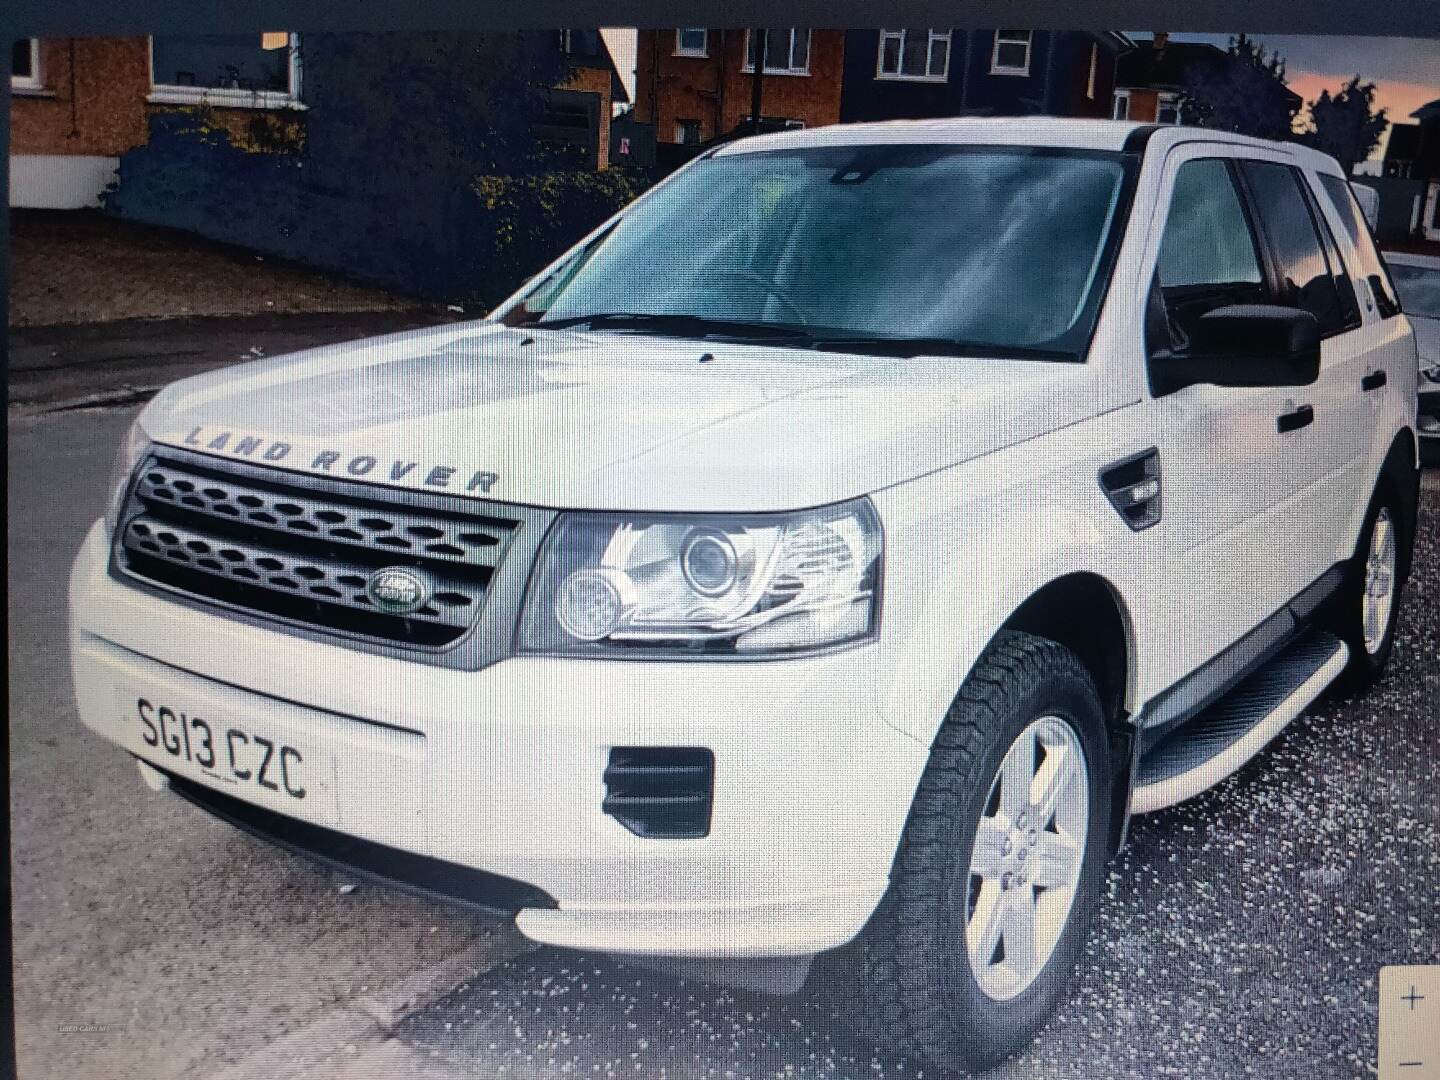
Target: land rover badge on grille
398 590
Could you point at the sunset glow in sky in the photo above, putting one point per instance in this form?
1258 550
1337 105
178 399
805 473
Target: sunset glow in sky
1405 71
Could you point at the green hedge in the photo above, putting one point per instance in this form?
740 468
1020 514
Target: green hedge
535 217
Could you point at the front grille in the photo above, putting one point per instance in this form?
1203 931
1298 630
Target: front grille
291 551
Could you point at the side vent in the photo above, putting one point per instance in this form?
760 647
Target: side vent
1132 485
661 792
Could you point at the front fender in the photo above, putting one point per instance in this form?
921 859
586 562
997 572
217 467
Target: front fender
967 546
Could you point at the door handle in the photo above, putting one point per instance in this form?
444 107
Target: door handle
1294 421
1373 381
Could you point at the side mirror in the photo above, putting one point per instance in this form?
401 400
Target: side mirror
1248 345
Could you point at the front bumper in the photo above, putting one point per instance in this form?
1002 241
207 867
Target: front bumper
502 769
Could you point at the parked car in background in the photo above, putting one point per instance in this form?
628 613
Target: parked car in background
1417 280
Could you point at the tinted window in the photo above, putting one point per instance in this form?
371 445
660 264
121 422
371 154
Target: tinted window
1305 275
1337 189
1207 240
1349 305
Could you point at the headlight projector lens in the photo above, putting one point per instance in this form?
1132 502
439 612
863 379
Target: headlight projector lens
710 563
593 603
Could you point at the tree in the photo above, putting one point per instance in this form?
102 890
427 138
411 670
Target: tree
1346 126
1243 91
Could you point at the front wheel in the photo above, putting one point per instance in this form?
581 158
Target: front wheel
1000 866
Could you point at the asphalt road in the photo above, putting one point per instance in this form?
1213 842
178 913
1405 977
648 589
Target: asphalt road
1242 935
138 910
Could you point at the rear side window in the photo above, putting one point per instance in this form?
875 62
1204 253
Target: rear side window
1349 305
1370 267
1306 279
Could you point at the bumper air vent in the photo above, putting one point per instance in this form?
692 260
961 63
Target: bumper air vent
661 792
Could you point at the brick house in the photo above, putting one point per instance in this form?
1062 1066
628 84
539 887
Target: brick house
696 84
79 103
931 72
1151 79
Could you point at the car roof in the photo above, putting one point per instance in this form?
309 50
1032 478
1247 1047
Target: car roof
1043 131
1410 258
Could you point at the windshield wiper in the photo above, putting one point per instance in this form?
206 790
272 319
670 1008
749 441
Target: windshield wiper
933 346
681 325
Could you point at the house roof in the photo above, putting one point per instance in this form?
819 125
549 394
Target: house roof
588 49
1429 111
1404 144
1146 67
1167 67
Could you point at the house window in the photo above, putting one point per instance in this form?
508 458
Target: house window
1011 55
25 64
914 54
687 132
690 43
1167 109
787 52
1121 111
1094 67
257 71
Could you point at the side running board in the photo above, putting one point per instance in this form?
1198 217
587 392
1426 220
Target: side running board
1224 735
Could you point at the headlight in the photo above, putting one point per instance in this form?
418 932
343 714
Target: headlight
709 585
133 449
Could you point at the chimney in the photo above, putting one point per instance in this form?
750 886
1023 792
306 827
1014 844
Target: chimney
1161 37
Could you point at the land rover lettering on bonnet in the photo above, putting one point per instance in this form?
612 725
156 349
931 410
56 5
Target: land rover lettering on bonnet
959 489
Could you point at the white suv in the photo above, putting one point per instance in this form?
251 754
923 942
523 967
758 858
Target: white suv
845 538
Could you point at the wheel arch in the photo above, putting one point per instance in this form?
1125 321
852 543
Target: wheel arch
1400 477
1086 613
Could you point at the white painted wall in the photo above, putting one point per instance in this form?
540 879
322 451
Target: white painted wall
59 181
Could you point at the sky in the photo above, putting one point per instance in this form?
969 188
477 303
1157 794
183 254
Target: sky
1406 71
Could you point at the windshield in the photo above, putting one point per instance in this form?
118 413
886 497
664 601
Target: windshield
999 248
1419 289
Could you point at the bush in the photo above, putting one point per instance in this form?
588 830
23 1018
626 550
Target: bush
533 218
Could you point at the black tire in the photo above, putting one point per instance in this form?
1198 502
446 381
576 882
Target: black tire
920 991
1345 617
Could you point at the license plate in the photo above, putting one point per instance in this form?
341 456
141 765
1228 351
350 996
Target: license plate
233 753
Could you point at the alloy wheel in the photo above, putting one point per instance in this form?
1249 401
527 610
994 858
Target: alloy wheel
1379 595
1027 858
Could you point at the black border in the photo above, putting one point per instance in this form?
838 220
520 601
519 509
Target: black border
1405 18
